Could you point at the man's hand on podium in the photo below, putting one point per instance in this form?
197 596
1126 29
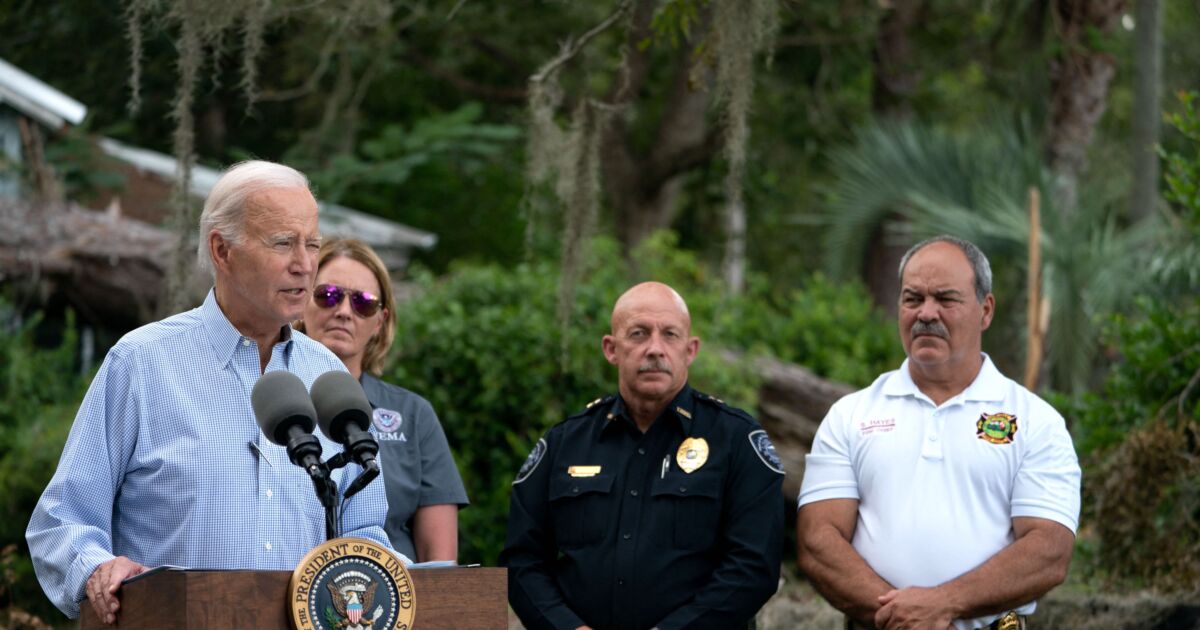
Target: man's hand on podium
106 579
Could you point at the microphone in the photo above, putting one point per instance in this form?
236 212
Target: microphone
286 416
344 414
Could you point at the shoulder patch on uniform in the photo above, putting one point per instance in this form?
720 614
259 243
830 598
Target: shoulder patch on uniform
531 462
766 450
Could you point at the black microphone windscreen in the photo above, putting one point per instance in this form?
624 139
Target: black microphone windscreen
339 399
280 401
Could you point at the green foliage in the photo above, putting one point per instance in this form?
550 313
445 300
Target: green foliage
1183 170
1153 378
391 156
1139 437
1177 266
975 184
673 22
40 389
484 346
831 328
1138 442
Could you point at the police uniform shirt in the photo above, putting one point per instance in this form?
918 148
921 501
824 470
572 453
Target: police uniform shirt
606 528
418 468
938 486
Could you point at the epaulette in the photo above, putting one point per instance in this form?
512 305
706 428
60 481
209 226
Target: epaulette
720 404
603 400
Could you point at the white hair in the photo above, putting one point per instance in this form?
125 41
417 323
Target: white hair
225 208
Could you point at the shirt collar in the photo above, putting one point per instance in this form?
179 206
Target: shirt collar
987 386
678 413
222 334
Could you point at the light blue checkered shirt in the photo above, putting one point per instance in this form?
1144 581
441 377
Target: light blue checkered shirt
158 466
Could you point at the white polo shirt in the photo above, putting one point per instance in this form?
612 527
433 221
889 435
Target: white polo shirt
938 486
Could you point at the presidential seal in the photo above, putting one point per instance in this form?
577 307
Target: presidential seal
351 584
996 428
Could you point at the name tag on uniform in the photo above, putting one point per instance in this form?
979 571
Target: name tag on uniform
583 471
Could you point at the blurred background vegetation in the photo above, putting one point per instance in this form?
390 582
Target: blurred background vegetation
871 124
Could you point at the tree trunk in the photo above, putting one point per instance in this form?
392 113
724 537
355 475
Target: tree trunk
1147 88
792 402
895 78
1079 78
644 189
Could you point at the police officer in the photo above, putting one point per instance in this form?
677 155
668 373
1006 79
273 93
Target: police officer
658 507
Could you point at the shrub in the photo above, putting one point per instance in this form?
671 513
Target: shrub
1138 439
40 389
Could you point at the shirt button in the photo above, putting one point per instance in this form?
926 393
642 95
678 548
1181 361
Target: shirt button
683 488
633 492
620 582
267 546
627 536
641 451
575 489
933 438
245 342
270 493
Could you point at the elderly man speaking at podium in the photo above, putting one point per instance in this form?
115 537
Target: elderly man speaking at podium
165 463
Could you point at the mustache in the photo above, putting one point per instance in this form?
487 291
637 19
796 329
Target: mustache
655 365
936 329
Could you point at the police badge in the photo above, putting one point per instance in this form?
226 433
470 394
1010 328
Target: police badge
692 454
351 584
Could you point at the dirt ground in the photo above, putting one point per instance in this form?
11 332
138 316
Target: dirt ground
796 606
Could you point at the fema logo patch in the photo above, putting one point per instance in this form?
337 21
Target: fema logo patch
531 462
766 451
996 428
386 420
351 584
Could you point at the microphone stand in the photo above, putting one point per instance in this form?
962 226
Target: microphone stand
326 494
369 473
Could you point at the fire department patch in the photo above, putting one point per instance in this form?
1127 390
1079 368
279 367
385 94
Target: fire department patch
531 462
996 428
351 584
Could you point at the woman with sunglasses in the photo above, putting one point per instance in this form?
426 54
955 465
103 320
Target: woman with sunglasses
351 314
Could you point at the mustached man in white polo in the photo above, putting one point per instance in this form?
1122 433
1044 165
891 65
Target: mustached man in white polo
944 495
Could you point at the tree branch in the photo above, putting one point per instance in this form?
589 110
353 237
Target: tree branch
572 48
505 94
686 158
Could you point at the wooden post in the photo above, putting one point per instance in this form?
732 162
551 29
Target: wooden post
1034 326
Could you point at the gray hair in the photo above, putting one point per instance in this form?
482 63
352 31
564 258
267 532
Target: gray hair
979 263
225 208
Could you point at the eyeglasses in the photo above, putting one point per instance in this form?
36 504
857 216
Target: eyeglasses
330 295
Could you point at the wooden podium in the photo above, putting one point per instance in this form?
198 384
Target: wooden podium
451 598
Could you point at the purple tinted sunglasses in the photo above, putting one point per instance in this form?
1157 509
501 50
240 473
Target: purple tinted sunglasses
361 302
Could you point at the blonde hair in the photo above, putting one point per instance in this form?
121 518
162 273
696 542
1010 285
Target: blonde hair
358 251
